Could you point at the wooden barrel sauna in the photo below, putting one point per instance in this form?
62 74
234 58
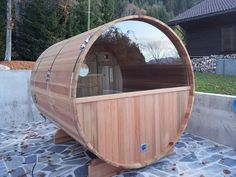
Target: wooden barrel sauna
124 90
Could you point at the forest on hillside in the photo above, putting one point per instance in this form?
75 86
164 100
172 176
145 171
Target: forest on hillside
37 24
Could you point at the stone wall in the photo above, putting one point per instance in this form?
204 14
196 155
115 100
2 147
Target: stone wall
208 63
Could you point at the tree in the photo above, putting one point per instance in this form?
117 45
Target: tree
159 11
77 19
8 32
180 32
119 8
42 24
3 28
107 11
178 6
17 14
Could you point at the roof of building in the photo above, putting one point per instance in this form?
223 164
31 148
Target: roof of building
204 9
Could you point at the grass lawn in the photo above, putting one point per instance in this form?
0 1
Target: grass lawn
213 83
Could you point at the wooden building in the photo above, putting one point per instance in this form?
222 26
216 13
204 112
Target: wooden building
210 27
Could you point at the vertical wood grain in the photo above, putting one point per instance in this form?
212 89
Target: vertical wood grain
116 128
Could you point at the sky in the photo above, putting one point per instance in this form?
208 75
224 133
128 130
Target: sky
145 35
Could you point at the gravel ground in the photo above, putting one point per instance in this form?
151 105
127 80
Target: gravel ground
14 65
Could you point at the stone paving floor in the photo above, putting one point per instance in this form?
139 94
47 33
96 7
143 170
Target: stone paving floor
28 151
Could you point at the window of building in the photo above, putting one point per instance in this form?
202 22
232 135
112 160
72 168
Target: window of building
228 38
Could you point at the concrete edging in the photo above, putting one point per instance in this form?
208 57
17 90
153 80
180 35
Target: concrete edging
213 117
16 105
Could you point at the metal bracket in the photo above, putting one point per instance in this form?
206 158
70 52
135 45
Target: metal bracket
234 105
35 98
48 75
86 41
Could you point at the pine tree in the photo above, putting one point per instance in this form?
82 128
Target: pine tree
3 28
95 14
77 19
159 11
119 8
42 24
107 10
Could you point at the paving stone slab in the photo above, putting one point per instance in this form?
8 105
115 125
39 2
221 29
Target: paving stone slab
29 149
